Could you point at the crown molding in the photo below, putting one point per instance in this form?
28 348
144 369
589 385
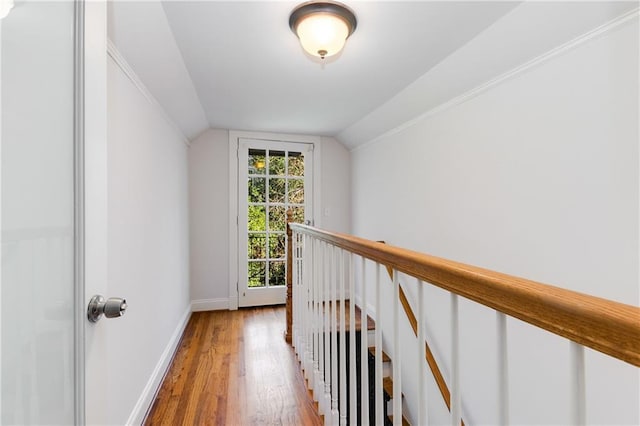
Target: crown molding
514 72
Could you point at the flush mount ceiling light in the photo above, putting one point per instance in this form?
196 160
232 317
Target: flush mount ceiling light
322 27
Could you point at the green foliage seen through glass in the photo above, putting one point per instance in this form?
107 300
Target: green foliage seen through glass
277 246
277 272
296 191
257 246
256 189
296 164
277 218
257 218
276 163
285 185
257 274
277 190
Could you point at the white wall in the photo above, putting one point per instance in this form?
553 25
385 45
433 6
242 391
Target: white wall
148 251
209 217
335 214
209 210
536 177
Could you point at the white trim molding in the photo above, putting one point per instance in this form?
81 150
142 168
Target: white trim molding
234 137
122 63
218 304
143 405
1 214
79 226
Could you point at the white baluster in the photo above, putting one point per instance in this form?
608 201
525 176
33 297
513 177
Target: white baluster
364 347
422 390
335 273
308 364
298 294
327 330
317 353
319 392
294 292
503 369
456 412
343 335
378 362
577 389
298 300
302 299
397 356
313 348
353 397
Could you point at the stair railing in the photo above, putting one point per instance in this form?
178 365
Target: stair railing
323 267
428 354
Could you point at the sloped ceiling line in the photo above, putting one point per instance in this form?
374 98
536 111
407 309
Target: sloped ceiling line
236 65
251 73
119 60
529 30
143 36
572 44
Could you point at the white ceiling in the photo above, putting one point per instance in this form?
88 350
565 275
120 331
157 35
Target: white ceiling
236 65
251 72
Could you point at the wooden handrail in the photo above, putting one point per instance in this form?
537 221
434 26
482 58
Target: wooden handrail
609 327
428 355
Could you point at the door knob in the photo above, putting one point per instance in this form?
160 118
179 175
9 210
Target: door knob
113 307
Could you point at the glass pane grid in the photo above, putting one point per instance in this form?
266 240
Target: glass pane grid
278 187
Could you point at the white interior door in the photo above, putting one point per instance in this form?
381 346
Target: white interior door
273 177
40 348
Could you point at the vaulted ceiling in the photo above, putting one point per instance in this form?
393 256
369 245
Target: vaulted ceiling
236 65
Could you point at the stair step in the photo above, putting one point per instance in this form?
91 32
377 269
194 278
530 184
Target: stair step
387 386
405 422
371 325
385 357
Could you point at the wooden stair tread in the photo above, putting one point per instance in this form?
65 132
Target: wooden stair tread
385 357
371 324
387 386
405 422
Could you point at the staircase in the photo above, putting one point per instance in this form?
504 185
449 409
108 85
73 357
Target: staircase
322 270
387 385
387 380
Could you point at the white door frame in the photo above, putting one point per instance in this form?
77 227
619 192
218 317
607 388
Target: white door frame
79 212
234 137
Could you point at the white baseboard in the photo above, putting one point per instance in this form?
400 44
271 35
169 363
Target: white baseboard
149 392
209 304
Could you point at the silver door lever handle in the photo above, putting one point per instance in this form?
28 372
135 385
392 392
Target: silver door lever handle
113 307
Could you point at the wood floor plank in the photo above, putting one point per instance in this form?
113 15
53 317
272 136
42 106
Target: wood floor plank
234 368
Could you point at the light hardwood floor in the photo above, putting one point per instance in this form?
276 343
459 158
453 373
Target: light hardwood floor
234 368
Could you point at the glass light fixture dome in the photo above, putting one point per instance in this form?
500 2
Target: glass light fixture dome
5 7
322 27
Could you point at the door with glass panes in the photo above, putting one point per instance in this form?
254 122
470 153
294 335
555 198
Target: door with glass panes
274 177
